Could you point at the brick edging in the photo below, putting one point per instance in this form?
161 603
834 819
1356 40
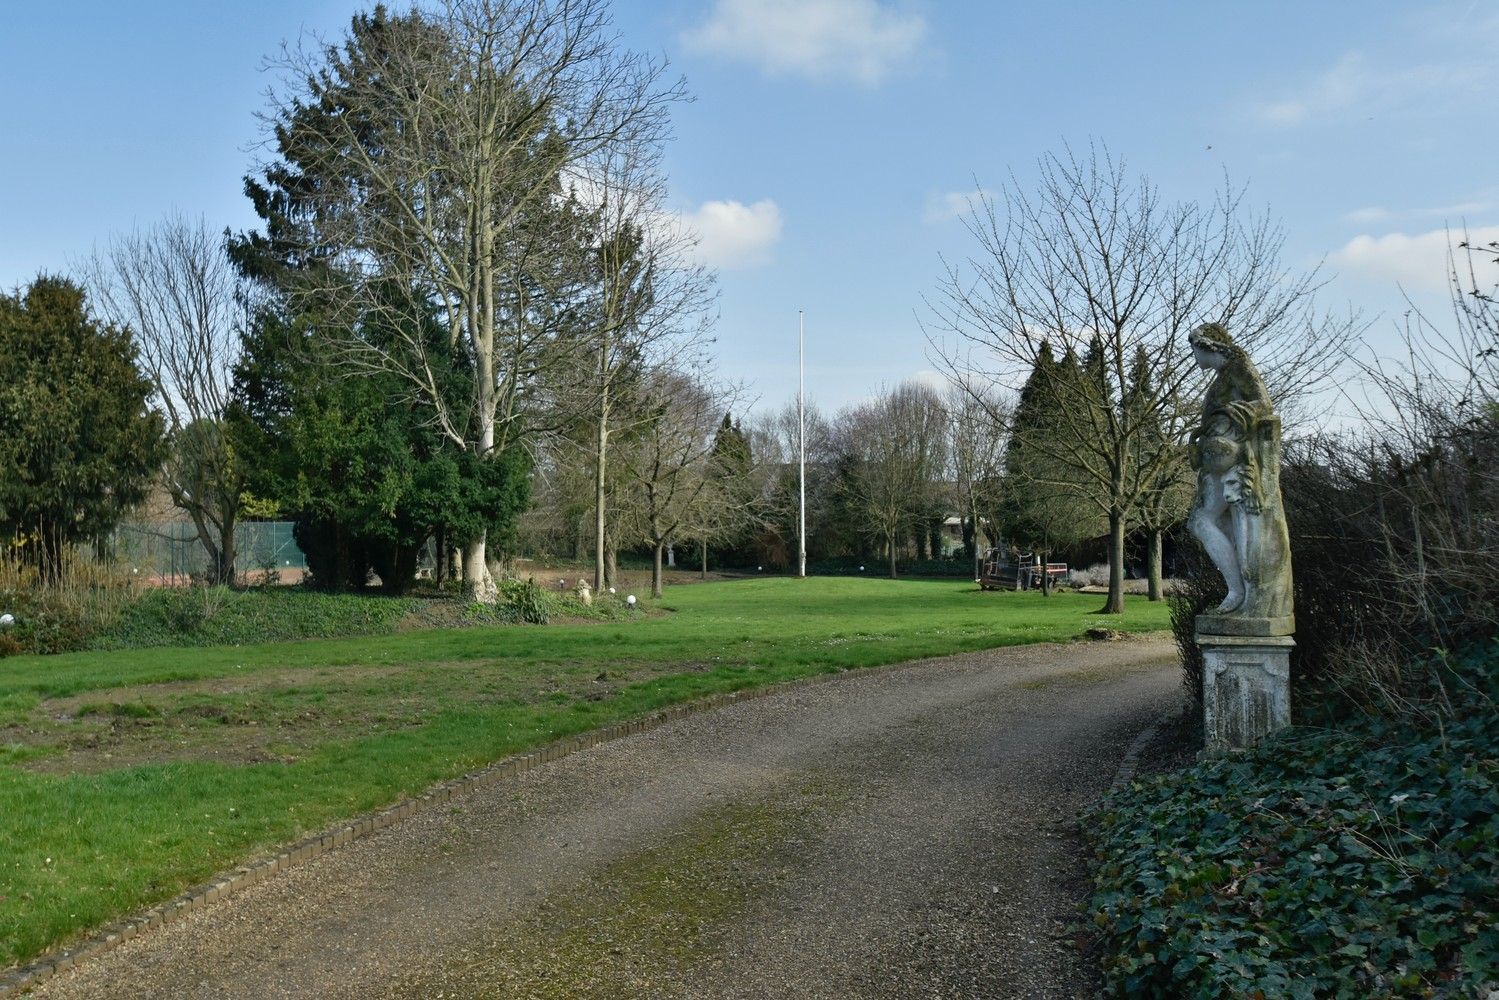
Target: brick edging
1130 762
16 981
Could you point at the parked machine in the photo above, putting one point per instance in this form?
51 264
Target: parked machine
1023 572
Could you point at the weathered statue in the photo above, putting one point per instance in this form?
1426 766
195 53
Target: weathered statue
1238 515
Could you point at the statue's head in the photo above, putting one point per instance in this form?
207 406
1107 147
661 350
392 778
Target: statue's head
1213 346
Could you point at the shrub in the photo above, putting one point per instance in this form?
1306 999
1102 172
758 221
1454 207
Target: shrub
527 601
1096 575
64 613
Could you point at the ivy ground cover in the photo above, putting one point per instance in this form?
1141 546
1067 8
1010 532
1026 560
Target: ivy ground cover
1360 862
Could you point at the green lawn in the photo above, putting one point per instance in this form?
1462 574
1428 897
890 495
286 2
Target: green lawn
127 776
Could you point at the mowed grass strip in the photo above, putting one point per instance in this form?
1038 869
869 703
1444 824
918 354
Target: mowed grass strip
127 776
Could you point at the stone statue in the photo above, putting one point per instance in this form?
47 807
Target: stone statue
1238 515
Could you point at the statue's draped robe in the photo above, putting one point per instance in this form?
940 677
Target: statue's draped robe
1239 441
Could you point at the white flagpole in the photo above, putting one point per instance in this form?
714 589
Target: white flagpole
801 435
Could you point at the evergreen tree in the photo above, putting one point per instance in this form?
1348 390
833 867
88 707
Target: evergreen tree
1044 503
1166 481
366 483
79 443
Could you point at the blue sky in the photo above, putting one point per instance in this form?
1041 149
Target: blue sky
831 141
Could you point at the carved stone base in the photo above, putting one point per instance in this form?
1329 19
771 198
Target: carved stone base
1233 625
1246 688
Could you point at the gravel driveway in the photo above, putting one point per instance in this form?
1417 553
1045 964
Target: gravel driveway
900 833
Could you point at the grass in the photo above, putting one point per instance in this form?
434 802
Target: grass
128 775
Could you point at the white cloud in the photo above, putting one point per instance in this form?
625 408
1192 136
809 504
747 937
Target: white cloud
1417 261
859 40
1357 85
733 235
953 205
1461 210
1368 216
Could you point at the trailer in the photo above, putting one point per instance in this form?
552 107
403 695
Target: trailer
1024 572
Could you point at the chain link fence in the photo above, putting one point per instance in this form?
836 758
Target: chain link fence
169 551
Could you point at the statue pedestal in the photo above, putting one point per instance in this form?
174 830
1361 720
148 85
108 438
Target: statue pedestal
1246 688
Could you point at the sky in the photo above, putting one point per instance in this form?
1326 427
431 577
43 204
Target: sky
832 146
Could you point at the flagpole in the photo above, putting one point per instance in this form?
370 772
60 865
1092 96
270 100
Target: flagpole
801 436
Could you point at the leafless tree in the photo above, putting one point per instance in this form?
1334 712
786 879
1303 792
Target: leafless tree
430 152
174 286
670 462
1093 253
891 444
650 302
978 425
775 439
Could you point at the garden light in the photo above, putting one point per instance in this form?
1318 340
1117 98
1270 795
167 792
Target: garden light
7 620
630 600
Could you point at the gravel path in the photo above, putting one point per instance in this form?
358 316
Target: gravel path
901 833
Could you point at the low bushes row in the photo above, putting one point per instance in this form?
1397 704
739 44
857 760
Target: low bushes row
49 620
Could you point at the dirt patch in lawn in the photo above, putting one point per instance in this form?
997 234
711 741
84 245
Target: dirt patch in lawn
282 715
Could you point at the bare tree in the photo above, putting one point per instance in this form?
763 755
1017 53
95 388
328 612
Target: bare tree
174 286
670 462
427 156
889 443
1093 254
978 423
774 439
650 301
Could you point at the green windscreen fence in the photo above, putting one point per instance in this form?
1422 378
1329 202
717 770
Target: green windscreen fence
170 550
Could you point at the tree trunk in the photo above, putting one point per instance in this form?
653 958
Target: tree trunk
656 568
978 556
477 581
890 546
705 559
1115 603
1154 572
598 477
478 584
611 564
1045 576
224 571
214 570
439 556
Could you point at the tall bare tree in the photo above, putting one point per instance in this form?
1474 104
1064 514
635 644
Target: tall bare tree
1093 253
889 443
174 286
650 301
426 155
671 465
978 426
